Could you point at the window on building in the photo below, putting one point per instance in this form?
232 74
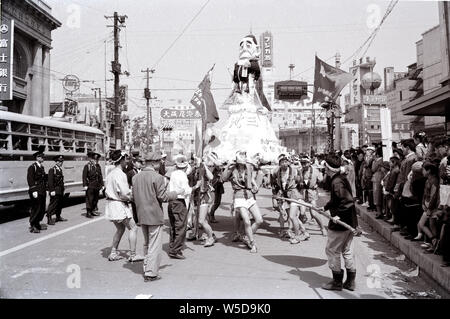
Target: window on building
20 63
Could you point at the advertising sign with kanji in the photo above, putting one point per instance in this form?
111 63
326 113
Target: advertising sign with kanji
6 58
169 114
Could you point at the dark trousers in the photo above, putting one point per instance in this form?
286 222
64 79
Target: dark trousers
91 199
217 201
445 243
177 212
410 213
55 206
37 212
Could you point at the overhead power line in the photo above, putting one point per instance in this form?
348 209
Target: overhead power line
179 36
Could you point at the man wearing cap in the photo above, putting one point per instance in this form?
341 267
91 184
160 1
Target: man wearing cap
92 183
56 191
117 208
162 166
36 179
177 209
340 240
149 192
240 175
310 179
285 182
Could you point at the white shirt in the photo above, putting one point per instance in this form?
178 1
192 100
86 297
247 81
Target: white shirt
118 191
179 180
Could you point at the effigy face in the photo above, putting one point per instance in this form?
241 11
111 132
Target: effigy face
248 48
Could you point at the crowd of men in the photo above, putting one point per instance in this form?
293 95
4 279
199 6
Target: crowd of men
404 192
410 191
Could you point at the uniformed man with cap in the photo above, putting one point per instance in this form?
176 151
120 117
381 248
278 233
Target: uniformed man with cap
36 179
92 183
56 191
162 166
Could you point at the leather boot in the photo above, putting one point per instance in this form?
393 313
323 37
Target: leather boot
350 281
336 283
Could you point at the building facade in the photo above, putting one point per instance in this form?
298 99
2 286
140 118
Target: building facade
33 25
363 103
434 59
398 93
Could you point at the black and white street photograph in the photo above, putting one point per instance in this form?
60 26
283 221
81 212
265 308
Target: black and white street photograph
244 153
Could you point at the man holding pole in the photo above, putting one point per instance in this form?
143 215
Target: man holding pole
340 239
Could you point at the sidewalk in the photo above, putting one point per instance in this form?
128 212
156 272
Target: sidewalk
430 264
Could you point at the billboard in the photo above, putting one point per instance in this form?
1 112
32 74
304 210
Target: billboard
266 49
174 114
375 99
6 58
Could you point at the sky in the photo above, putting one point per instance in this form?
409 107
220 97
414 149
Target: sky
208 32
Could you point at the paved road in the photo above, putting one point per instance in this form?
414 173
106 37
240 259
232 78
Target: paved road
47 265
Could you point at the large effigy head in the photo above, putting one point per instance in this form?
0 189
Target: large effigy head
249 48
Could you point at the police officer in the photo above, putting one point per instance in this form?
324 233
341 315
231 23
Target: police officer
92 183
36 179
56 191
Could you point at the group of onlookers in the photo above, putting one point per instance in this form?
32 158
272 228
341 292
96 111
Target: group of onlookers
410 191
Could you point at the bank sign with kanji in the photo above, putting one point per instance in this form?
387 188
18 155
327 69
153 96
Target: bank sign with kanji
173 114
6 58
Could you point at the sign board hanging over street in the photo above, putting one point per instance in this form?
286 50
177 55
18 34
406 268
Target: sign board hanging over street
174 114
6 58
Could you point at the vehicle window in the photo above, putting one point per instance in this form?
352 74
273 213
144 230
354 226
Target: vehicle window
4 142
37 129
90 137
53 131
67 146
67 134
37 142
54 144
20 142
80 135
80 146
19 127
3 125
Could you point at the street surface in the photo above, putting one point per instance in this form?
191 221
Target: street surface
69 260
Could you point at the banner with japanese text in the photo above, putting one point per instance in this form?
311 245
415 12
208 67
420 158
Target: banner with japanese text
6 58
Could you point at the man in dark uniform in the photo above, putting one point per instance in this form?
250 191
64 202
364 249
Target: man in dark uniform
56 191
92 183
36 179
100 180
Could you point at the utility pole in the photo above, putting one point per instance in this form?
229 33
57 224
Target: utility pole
99 105
337 114
147 96
116 70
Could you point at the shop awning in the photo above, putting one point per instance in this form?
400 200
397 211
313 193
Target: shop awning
431 104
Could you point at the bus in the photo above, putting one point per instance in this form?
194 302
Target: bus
23 135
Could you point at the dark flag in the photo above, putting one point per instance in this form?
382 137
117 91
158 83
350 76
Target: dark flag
328 82
203 100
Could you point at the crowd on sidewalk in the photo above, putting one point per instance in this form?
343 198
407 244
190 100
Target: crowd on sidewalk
410 191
